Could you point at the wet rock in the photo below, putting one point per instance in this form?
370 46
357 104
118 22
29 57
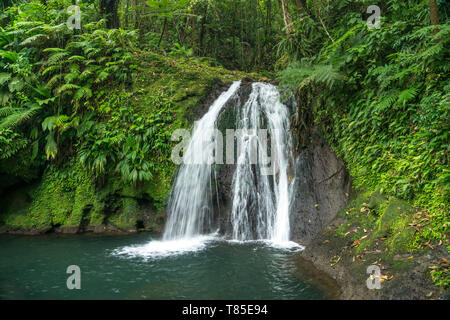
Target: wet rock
321 189
69 230
96 229
224 181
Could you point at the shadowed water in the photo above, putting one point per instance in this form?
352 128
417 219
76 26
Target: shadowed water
114 267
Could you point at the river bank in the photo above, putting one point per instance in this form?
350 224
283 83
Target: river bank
404 276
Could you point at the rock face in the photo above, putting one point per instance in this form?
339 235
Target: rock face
224 181
321 189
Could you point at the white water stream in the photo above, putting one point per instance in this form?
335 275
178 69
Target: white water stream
260 209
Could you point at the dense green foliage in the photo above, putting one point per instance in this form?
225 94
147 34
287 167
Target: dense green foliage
94 106
381 99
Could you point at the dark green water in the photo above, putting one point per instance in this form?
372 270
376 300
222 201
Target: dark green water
35 268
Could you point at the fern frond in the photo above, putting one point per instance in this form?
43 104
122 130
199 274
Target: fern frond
53 81
67 87
56 57
18 116
83 92
32 39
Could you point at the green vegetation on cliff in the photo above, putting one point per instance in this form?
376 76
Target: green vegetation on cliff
92 113
381 99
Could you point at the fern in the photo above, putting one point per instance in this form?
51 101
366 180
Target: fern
67 87
4 77
83 92
33 39
12 117
56 57
407 95
302 75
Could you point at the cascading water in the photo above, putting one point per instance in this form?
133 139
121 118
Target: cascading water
260 207
260 194
190 202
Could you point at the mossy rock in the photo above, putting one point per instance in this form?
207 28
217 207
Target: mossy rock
383 218
126 218
394 225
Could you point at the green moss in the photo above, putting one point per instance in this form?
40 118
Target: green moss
401 265
63 197
158 189
126 217
393 224
87 205
186 81
52 203
371 216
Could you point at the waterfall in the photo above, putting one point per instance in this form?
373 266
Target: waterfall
261 194
190 203
260 208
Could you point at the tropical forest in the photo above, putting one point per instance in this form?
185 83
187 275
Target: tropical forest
224 149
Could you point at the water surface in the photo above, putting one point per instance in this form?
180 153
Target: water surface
121 267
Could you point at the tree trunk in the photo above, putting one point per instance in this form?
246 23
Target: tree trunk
316 8
301 6
109 9
268 30
202 31
287 18
162 32
126 13
434 15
